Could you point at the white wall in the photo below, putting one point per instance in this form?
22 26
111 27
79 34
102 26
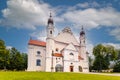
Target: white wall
32 57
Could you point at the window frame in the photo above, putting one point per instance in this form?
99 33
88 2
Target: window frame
38 62
38 52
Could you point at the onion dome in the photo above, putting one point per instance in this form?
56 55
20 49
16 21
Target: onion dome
82 32
50 20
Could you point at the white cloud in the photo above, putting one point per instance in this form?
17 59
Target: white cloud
88 4
117 46
93 18
89 48
116 33
40 35
83 5
31 13
9 47
25 13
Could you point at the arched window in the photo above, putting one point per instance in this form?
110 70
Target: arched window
50 32
38 62
71 54
57 49
80 68
59 68
71 57
38 52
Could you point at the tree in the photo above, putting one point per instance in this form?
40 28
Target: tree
100 63
25 58
117 67
12 59
16 60
99 53
90 63
4 55
103 55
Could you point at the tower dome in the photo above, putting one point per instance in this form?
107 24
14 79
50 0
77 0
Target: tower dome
82 32
50 20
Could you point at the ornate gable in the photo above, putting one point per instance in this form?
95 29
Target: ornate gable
66 36
71 47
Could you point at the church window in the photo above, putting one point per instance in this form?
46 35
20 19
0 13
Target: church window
38 52
71 57
50 32
57 49
84 41
71 54
38 62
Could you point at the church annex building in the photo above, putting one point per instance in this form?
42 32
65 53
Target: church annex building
61 53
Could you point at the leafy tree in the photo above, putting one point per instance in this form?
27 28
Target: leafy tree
103 56
117 67
25 58
16 60
12 59
4 55
90 63
118 56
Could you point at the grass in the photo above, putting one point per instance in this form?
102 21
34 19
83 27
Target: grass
53 76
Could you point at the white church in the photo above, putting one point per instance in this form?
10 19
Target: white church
61 53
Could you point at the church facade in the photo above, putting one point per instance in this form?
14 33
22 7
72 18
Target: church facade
61 53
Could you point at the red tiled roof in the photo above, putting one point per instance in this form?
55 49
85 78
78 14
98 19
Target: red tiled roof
57 55
80 58
37 43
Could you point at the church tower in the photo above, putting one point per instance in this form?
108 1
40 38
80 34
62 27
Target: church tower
83 52
82 38
50 27
49 42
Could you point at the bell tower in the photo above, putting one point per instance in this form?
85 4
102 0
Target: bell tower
83 52
50 27
49 42
82 38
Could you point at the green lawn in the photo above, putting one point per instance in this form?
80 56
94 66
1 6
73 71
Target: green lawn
53 76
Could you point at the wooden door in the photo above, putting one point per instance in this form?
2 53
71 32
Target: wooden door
71 69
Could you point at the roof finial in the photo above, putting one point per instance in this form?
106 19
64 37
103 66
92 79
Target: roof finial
82 28
50 14
82 31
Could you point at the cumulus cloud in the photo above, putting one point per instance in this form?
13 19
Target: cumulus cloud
93 18
116 45
88 5
30 14
40 35
9 47
25 14
116 33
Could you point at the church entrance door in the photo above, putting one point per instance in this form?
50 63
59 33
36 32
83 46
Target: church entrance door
59 68
71 68
80 68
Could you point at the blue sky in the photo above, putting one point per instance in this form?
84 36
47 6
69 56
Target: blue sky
20 19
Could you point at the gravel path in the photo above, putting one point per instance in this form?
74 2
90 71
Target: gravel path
108 74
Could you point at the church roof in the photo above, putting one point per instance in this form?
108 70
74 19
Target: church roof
37 43
57 55
66 36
